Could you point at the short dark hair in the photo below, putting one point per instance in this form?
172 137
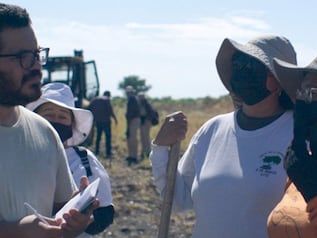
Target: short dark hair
107 93
12 16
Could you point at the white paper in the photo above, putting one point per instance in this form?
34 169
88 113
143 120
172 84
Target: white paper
81 200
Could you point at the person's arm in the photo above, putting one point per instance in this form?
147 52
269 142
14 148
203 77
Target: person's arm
171 131
289 218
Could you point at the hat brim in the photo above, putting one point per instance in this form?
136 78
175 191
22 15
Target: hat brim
83 120
224 58
290 76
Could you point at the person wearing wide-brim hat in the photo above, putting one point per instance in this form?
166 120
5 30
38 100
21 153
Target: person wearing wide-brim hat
296 212
73 125
60 94
231 173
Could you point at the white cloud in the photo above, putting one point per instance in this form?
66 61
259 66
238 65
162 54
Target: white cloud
203 29
164 54
254 23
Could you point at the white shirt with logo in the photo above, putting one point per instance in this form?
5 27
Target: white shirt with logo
232 178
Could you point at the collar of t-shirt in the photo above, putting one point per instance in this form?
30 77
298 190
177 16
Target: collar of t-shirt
253 123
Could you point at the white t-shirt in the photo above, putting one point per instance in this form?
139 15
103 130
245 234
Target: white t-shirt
33 168
232 178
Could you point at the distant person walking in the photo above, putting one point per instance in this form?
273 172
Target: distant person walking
133 125
146 112
103 112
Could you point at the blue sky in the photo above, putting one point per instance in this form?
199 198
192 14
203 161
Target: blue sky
172 44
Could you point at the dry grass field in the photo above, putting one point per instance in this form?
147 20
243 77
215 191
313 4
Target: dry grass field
136 201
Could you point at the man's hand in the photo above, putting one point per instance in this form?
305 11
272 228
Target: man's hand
173 130
31 226
76 222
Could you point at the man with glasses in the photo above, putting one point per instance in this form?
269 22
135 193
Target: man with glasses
33 163
231 173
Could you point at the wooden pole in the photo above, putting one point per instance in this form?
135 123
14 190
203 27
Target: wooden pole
169 191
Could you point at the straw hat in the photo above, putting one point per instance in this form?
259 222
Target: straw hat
61 95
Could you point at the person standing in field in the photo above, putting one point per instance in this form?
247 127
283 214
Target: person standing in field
133 125
33 162
231 173
103 113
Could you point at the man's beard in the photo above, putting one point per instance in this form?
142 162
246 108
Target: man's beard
12 96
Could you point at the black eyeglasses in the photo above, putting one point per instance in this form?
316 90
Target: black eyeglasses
28 58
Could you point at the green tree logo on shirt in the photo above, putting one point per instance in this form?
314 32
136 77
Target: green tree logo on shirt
269 163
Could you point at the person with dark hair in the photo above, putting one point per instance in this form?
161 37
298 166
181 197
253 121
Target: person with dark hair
295 215
33 164
231 173
57 105
103 112
107 94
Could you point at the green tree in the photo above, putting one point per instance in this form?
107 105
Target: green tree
136 82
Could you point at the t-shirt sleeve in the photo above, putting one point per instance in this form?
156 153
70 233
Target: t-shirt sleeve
65 185
184 178
98 171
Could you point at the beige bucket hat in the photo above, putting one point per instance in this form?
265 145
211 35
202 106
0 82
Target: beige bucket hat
61 95
290 76
263 48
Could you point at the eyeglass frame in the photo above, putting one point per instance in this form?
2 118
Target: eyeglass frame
36 56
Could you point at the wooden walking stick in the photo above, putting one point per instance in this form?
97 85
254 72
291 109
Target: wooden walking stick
169 191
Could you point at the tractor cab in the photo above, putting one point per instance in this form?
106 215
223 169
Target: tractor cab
80 76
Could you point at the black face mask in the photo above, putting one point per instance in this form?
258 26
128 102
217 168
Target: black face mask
64 132
248 80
